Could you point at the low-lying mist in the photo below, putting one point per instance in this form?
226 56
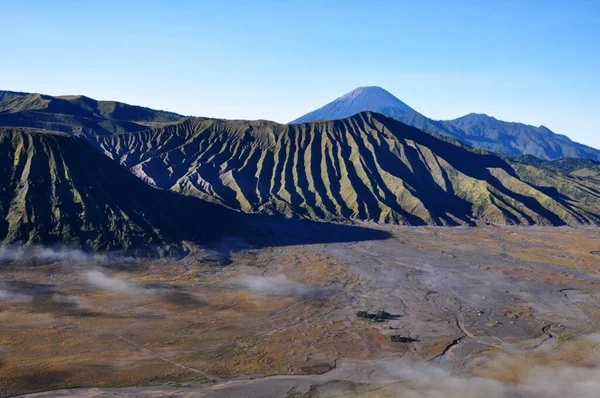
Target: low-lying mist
47 254
280 285
100 280
428 381
58 252
8 293
16 252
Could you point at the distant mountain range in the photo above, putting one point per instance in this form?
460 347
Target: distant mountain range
57 185
478 130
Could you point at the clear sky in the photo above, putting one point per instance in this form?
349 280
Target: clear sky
536 62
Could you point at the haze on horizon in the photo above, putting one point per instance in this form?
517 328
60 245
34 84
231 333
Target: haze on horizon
534 62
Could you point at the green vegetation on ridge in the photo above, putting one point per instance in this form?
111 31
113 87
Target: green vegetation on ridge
77 115
586 168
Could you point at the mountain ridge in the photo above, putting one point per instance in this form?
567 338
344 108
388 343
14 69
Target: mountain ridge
77 115
84 116
91 105
367 167
475 129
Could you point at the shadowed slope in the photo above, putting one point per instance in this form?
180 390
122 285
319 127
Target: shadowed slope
54 188
366 167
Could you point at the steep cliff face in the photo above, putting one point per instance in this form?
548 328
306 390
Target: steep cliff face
56 188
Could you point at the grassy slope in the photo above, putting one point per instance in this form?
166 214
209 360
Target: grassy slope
367 167
120 111
77 115
573 166
55 188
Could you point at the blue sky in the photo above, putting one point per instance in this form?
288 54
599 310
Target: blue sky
536 62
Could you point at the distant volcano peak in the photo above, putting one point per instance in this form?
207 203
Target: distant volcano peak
361 99
372 91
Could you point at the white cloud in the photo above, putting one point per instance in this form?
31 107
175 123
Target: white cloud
280 285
